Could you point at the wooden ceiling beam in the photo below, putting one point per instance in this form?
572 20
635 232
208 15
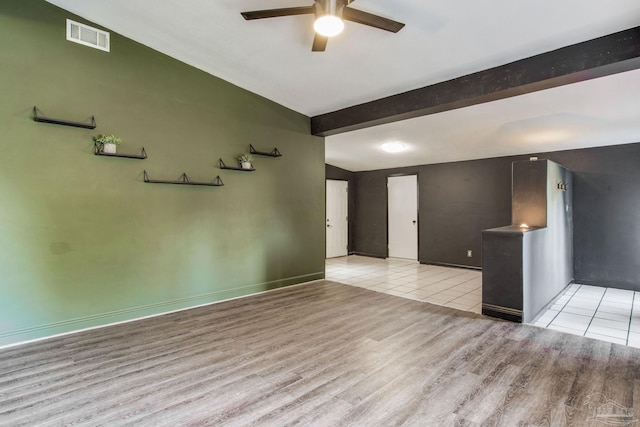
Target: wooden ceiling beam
603 56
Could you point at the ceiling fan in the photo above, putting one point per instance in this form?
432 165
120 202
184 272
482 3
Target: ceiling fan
330 16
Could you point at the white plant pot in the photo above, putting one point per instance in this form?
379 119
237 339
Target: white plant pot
245 165
109 148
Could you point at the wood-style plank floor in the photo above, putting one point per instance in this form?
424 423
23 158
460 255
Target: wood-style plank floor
321 354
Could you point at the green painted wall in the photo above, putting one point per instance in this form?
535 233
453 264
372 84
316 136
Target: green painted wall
83 240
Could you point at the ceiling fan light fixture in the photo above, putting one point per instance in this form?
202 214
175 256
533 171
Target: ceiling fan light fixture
328 25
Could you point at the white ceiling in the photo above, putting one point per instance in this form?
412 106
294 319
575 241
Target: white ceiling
599 112
443 39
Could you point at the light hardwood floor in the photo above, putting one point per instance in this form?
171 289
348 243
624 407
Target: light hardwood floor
319 354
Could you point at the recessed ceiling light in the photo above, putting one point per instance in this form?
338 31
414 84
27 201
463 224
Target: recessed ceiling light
549 135
394 147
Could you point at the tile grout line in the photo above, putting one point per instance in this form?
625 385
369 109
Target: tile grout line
595 311
563 307
633 303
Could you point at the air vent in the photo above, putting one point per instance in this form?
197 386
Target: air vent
88 36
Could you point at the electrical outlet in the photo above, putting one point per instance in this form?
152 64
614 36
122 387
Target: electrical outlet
469 253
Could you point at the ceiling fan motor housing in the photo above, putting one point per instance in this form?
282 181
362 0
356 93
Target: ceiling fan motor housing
336 10
329 7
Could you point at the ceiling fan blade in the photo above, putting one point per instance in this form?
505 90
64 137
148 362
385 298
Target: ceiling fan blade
274 13
319 43
355 15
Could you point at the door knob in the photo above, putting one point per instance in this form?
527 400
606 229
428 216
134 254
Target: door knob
414 222
328 225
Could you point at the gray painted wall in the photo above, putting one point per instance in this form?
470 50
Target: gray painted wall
456 201
606 214
502 275
548 252
529 193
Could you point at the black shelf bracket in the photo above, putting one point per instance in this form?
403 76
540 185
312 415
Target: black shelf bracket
38 117
272 153
99 152
184 180
223 166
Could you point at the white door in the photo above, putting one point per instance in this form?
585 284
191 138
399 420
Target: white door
403 216
337 218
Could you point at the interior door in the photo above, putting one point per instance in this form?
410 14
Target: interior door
403 216
337 218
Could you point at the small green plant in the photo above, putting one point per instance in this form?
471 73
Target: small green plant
247 157
107 139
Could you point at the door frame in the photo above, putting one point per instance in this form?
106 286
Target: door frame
386 192
348 214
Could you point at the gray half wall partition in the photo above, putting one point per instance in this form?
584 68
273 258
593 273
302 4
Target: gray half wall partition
524 269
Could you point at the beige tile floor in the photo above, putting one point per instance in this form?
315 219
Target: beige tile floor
452 287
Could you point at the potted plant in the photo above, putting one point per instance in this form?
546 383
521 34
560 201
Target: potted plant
107 143
245 160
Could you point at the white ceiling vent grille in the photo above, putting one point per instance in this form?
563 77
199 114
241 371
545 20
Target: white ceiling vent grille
88 36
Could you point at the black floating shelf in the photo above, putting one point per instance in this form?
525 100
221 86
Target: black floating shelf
141 156
273 153
184 180
38 117
223 166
